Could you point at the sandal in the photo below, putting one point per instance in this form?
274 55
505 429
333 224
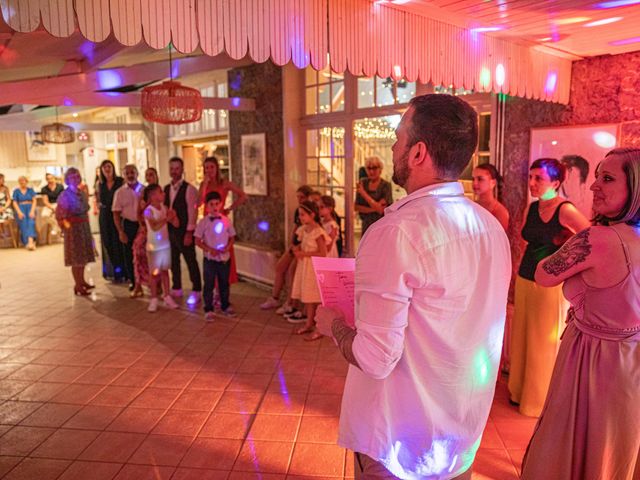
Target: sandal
313 337
303 330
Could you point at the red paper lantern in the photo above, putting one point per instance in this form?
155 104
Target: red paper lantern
171 103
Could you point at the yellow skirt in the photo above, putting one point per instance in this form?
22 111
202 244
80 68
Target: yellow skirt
538 323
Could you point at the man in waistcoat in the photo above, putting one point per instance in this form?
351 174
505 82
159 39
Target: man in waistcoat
182 197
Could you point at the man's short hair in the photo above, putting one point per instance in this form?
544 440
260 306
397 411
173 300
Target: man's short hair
131 165
212 196
178 160
448 126
576 161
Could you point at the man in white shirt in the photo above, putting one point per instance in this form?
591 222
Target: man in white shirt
431 288
182 197
126 201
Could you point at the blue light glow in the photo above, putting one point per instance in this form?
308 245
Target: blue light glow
175 69
617 3
67 102
283 387
108 79
235 101
192 299
158 236
218 227
552 79
87 49
117 270
236 82
263 226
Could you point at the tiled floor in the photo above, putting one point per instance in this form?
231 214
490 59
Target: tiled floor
97 388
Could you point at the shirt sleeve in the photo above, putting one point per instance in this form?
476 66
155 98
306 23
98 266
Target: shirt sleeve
199 231
192 207
388 269
116 207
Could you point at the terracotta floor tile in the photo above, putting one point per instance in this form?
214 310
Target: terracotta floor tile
9 388
202 401
493 464
77 394
239 402
254 365
138 377
199 474
144 472
7 463
490 437
40 392
207 380
37 468
318 429
66 444
262 456
516 433
20 441
326 369
289 383
256 476
114 447
93 417
116 396
516 458
119 359
12 413
173 379
31 372
155 398
327 385
249 382
180 422
161 450
91 470
349 465
51 415
281 428
7 369
136 420
317 459
100 376
212 453
227 425
289 403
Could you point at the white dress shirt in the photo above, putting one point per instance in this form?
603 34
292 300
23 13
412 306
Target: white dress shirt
215 231
126 201
431 290
191 197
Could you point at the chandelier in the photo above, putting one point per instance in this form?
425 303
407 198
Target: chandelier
57 132
171 103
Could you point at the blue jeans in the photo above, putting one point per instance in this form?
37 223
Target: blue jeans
212 271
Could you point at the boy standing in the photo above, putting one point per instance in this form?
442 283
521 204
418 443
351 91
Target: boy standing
214 235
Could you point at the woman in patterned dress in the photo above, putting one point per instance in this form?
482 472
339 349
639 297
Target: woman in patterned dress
73 218
140 262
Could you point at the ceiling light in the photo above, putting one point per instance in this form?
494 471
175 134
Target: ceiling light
500 75
569 21
486 29
545 39
605 21
74 115
625 41
604 139
617 3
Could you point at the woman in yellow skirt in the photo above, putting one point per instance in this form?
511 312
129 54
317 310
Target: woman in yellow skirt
540 311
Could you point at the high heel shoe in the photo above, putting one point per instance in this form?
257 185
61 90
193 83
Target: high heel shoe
81 291
88 286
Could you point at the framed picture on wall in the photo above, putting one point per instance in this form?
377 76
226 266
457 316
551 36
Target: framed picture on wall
254 164
580 148
37 149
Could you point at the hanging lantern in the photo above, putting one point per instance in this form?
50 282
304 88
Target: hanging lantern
58 133
171 103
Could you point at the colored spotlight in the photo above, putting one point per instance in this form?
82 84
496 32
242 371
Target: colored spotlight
625 41
485 78
552 80
500 75
605 21
263 226
617 3
486 29
604 139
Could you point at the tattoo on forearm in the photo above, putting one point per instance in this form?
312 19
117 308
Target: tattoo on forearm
344 337
572 253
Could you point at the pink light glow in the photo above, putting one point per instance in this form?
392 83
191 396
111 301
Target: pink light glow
625 41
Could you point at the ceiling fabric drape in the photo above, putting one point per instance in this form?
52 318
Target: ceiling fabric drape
362 36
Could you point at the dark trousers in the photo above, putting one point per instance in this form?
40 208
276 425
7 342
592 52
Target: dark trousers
216 271
131 230
189 254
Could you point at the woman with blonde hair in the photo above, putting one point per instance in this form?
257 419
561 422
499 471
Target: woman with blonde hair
24 204
590 427
374 194
72 214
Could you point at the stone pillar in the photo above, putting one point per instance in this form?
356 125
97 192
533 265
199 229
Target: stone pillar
260 221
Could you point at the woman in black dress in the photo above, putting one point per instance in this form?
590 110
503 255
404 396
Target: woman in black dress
112 253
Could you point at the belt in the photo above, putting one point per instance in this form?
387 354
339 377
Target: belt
604 333
25 202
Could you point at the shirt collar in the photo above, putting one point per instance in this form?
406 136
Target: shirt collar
445 189
176 185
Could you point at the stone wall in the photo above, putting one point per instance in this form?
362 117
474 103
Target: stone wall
604 89
263 82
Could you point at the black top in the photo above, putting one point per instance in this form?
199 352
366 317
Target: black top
52 194
543 239
182 212
106 196
384 191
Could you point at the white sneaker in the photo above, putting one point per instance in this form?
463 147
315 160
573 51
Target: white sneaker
209 317
177 293
285 308
229 312
153 305
296 317
170 302
270 303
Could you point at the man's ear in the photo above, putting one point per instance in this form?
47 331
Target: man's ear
418 154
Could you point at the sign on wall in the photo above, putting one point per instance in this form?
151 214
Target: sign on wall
580 148
254 164
37 149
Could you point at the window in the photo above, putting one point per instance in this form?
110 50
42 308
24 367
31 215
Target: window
380 92
326 163
452 91
324 91
212 120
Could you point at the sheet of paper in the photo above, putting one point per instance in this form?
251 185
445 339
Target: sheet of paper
336 282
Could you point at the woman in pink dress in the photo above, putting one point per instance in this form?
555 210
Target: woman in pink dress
213 182
140 262
590 428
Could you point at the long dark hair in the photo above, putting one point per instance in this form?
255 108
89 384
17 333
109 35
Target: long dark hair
494 174
213 160
312 209
103 179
